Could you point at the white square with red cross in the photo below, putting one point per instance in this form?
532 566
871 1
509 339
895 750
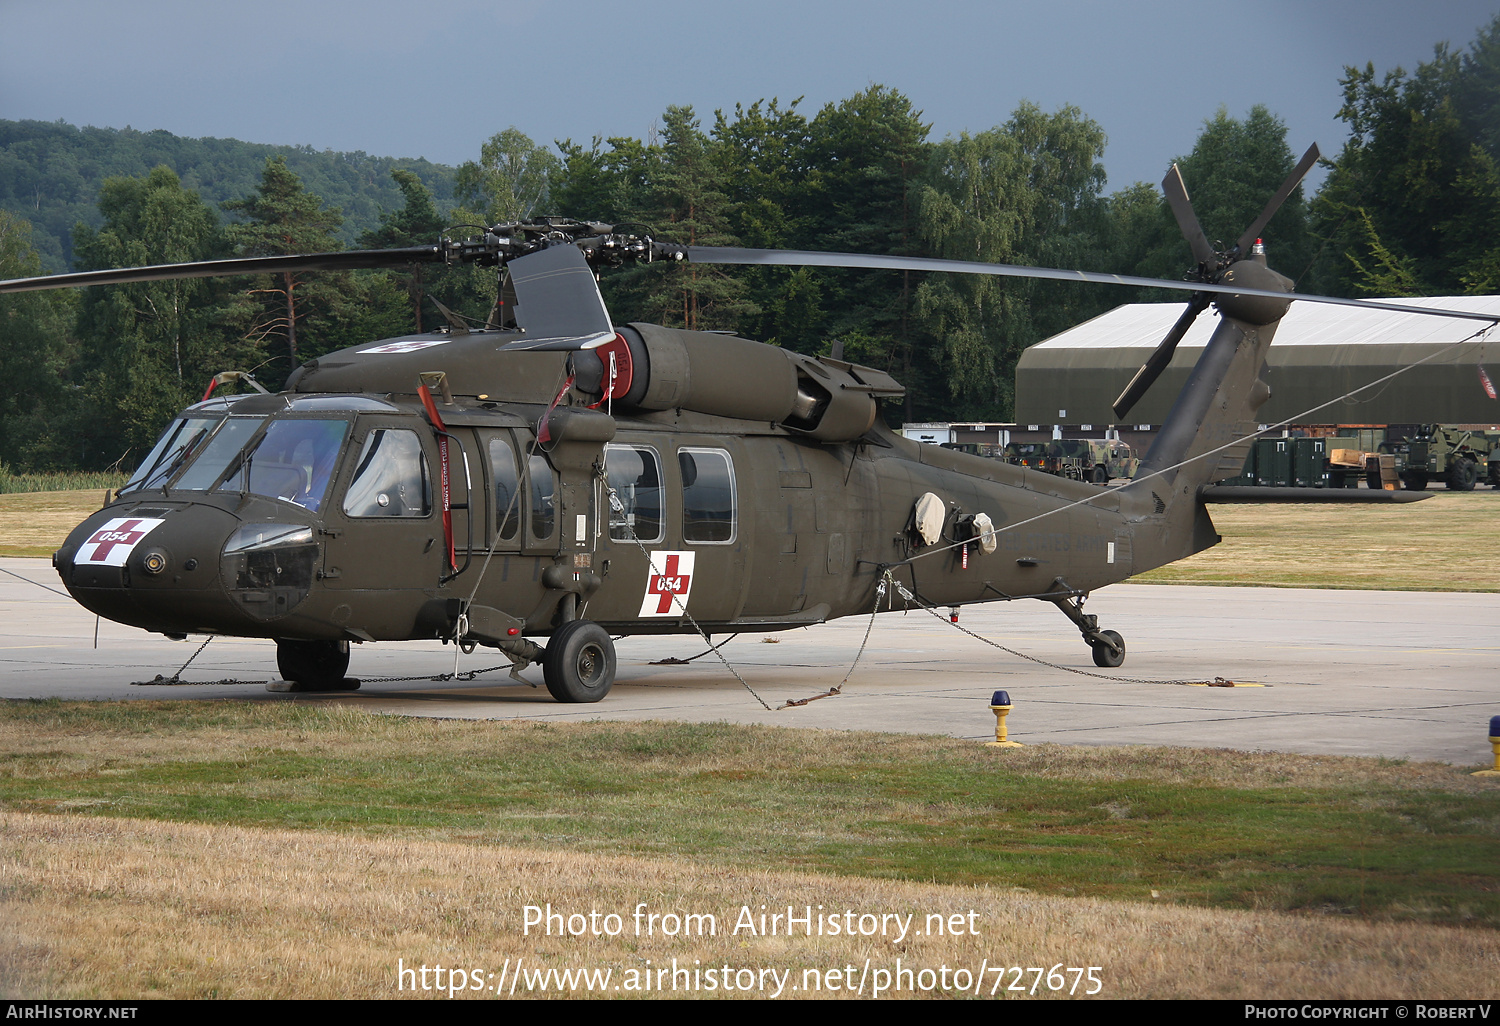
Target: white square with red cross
668 584
412 346
112 543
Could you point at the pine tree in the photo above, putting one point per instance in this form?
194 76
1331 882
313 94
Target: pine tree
283 219
865 160
416 223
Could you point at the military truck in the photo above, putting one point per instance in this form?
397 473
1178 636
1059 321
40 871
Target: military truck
1026 454
1458 457
1078 459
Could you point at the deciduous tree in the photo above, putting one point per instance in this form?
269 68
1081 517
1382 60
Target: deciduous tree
1414 187
148 346
36 351
1026 192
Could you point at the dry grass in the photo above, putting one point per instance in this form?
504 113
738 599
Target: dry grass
37 523
1444 543
130 909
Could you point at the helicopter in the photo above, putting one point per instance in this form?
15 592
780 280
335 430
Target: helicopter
553 475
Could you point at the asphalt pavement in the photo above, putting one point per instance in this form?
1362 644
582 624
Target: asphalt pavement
1406 675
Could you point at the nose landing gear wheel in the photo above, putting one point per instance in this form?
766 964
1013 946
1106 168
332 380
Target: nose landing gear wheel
579 663
315 665
1104 655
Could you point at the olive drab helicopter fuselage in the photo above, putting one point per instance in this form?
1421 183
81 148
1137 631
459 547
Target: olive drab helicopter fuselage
554 476
315 516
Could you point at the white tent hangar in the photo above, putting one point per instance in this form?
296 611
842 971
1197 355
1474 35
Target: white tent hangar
1320 352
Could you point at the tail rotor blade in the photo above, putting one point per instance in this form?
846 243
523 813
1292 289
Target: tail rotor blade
1182 209
1292 181
1160 357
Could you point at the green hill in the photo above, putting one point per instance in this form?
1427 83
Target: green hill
50 174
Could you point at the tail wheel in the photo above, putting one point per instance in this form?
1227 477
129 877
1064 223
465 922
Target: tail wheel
1106 656
313 665
579 663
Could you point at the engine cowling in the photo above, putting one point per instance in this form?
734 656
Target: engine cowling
828 400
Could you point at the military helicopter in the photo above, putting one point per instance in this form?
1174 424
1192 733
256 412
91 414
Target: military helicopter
555 475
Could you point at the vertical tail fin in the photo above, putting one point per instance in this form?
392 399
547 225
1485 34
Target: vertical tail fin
1206 436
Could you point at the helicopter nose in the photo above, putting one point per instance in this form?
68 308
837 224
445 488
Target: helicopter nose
151 566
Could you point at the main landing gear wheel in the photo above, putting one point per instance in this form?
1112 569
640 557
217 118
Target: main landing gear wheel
315 665
579 663
1106 656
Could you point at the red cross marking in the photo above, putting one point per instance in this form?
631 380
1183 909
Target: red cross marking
668 584
125 534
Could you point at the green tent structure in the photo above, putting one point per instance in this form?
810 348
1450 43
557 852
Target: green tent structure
1320 353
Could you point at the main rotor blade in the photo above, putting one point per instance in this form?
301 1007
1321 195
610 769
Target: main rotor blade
349 260
1292 181
1160 357
805 258
1187 221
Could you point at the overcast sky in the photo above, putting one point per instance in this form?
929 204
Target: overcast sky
435 79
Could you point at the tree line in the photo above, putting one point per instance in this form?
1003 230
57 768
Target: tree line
1410 206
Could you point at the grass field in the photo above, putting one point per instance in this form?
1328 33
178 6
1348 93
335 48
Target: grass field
1214 828
37 523
1282 840
61 481
1443 543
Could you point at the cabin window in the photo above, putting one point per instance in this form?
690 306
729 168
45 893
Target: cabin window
707 496
543 498
507 488
390 478
634 474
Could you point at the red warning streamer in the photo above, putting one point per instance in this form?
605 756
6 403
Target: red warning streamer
446 485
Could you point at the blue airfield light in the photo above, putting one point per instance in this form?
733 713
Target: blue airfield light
1495 745
1000 706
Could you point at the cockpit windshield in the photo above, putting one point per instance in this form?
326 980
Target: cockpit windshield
179 443
213 458
292 461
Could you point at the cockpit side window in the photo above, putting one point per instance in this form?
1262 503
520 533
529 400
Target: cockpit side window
390 477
